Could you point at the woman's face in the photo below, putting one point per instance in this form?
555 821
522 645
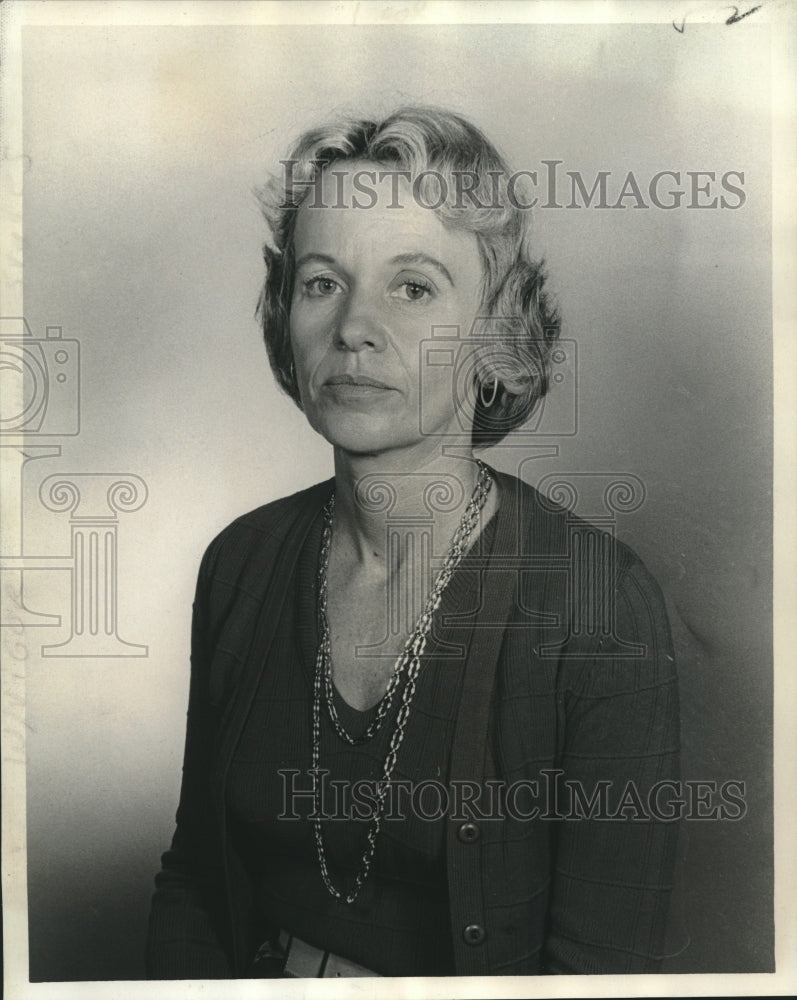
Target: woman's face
369 286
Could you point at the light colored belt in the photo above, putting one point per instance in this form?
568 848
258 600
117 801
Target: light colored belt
304 961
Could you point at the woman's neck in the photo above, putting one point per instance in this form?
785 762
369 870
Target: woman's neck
376 497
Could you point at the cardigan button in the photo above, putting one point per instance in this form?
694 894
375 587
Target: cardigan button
474 934
468 833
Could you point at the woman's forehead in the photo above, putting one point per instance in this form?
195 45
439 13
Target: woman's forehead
374 209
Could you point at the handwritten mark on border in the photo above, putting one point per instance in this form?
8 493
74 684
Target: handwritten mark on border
733 19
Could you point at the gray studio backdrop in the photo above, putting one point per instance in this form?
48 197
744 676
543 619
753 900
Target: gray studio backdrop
142 243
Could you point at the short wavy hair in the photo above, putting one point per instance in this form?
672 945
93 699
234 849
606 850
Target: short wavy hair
519 325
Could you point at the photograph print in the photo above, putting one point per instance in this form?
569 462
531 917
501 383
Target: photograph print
388 567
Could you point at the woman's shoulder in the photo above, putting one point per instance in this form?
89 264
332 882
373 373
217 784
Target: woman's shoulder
259 533
585 576
275 518
544 523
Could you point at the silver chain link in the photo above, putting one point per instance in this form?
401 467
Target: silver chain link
407 666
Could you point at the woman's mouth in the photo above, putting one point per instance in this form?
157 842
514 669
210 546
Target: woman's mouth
348 386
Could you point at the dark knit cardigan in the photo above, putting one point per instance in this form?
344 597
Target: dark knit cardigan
570 677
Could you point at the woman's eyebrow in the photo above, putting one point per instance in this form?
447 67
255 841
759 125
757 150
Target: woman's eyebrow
321 258
422 258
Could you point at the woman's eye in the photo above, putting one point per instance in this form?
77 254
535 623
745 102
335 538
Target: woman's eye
414 291
321 286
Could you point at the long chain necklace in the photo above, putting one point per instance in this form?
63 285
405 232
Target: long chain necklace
407 667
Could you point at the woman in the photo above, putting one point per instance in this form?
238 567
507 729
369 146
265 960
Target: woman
429 708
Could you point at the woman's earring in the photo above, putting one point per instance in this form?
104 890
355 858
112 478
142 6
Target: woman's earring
487 403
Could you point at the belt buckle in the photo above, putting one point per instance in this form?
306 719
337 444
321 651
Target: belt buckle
304 960
337 967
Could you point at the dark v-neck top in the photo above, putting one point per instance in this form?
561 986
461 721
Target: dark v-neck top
399 924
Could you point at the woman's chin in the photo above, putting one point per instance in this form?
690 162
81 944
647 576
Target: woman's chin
365 436
364 444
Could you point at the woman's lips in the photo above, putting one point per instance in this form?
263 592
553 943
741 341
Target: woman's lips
355 385
356 380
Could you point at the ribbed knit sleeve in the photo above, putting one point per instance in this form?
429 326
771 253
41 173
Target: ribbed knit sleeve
186 934
614 858
201 923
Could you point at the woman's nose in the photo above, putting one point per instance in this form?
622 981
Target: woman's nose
359 325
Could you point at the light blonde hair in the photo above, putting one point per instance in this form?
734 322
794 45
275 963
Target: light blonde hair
521 324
